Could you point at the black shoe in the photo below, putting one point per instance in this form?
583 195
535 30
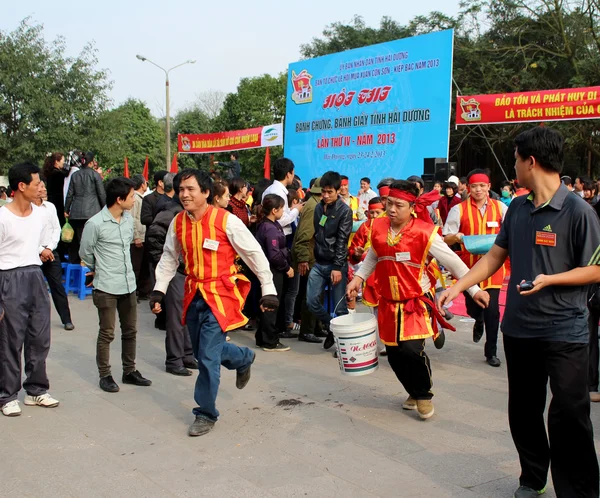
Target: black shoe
200 426
277 348
160 324
69 326
440 340
329 341
191 364
108 384
321 333
242 378
383 352
493 361
288 334
335 353
527 492
309 338
477 331
136 379
182 371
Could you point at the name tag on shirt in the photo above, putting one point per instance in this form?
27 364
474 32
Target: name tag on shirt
402 256
492 224
211 245
545 239
323 220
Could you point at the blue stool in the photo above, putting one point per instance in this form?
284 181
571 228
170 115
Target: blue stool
75 281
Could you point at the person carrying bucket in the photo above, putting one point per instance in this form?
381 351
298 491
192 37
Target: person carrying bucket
479 215
400 245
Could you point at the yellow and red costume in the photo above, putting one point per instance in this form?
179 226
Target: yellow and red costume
362 238
209 271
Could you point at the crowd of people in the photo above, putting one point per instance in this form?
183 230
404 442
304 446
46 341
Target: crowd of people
214 255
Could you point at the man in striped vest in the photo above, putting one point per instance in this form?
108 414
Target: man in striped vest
208 238
479 215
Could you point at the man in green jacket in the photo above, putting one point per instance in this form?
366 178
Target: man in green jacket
303 258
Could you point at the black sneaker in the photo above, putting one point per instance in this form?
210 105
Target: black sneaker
136 379
108 384
329 340
191 364
321 333
493 361
309 338
200 426
288 334
242 378
477 331
181 371
69 326
278 347
527 492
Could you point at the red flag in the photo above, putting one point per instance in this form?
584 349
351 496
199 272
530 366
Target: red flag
174 167
267 164
126 170
145 172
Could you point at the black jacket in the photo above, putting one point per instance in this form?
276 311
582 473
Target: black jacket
156 234
271 238
332 233
231 169
86 196
148 213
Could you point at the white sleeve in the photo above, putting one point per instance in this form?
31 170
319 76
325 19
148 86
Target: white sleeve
45 234
250 251
169 261
289 215
368 265
452 225
55 232
504 209
448 258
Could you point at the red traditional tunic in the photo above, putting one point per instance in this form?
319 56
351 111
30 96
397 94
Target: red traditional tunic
401 261
213 273
362 238
473 223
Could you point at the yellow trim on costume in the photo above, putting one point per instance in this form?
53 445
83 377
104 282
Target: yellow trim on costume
426 252
394 288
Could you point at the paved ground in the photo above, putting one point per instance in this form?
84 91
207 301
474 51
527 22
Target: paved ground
342 435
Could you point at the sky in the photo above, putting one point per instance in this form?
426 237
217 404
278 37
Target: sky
229 40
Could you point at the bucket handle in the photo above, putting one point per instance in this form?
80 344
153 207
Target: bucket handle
338 303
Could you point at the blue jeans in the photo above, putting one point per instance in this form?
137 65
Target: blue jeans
211 350
289 299
319 278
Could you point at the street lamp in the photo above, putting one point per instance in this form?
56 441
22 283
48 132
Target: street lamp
166 71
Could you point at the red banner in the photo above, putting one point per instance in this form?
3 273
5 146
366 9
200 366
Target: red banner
544 105
263 136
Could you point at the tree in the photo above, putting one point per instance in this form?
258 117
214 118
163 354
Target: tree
47 101
191 120
210 103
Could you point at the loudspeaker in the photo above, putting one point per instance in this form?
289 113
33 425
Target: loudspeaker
430 164
444 170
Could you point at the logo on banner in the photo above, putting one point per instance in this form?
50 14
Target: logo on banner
270 134
186 145
303 90
471 111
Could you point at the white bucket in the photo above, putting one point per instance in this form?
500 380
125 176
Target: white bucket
356 340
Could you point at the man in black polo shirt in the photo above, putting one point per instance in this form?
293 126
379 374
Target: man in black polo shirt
552 239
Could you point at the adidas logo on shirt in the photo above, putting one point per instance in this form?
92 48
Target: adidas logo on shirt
547 228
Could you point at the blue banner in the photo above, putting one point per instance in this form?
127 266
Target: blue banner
376 111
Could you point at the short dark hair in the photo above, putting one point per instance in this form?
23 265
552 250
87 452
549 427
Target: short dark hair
589 184
477 171
438 182
416 179
159 175
281 168
270 202
236 155
406 186
138 181
344 177
465 179
567 180
235 185
331 179
21 173
312 182
375 200
118 188
204 181
89 157
508 184
366 179
543 143
386 182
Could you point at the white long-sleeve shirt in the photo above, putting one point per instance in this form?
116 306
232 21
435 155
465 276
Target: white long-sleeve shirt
289 215
52 224
242 241
22 238
438 250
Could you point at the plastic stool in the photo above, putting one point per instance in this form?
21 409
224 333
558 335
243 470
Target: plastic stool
75 281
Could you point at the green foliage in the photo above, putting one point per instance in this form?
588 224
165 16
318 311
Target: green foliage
192 120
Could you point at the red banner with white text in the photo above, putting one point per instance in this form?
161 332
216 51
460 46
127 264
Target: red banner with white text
543 105
252 138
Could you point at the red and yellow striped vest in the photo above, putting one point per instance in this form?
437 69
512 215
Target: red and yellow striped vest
212 273
473 223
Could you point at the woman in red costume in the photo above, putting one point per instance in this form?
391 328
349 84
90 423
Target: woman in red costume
401 242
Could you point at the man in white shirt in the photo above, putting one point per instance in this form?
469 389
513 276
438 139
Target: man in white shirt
365 194
283 174
23 248
139 254
52 268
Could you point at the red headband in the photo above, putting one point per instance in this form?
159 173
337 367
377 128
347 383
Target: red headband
384 191
402 195
420 203
479 178
344 182
375 205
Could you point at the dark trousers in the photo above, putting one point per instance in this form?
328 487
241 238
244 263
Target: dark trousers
308 321
410 363
270 323
178 344
26 322
594 356
141 269
568 449
490 316
53 272
77 225
108 305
